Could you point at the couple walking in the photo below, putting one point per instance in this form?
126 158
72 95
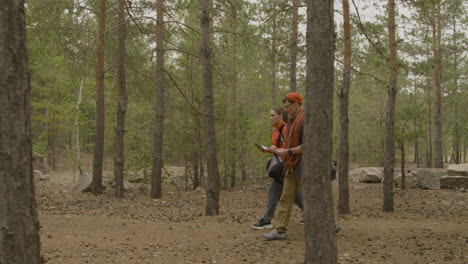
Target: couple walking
287 141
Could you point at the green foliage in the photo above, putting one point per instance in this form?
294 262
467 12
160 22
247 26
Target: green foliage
61 44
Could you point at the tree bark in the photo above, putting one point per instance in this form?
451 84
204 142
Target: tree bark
389 160
294 37
96 185
343 203
274 65
437 78
429 130
119 157
318 211
212 188
233 153
19 225
51 140
77 129
156 179
456 130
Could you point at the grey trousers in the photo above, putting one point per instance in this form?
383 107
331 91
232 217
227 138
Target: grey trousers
274 195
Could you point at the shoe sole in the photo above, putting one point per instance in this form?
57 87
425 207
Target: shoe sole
262 227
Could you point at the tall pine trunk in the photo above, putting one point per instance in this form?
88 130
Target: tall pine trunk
294 36
233 152
429 130
343 203
119 157
156 179
318 121
213 185
96 185
389 160
456 130
19 232
274 65
437 78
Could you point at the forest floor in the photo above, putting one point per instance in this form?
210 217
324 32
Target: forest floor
427 227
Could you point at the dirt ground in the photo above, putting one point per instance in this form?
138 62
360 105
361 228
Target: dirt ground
426 227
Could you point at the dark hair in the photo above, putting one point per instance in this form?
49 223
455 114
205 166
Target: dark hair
280 111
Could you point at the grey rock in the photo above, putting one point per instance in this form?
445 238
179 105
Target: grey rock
40 163
458 169
40 175
453 182
368 174
411 180
428 179
137 177
83 181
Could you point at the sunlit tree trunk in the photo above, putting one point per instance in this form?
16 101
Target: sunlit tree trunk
213 185
318 124
19 225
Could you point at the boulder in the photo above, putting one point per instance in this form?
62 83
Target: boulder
411 180
40 175
144 189
452 182
199 190
137 177
129 187
83 181
40 163
427 179
458 169
368 174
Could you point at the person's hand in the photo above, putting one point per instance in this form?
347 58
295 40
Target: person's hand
282 152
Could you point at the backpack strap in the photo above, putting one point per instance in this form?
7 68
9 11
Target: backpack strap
280 135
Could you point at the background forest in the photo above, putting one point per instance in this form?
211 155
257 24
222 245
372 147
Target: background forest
251 72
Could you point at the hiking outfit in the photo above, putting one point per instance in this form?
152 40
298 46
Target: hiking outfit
292 177
275 190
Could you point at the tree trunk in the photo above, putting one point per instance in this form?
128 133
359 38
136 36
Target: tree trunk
96 185
274 66
318 211
294 37
77 129
119 157
19 232
343 203
156 179
437 78
233 153
456 130
212 189
196 172
403 175
50 140
202 170
389 160
429 130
